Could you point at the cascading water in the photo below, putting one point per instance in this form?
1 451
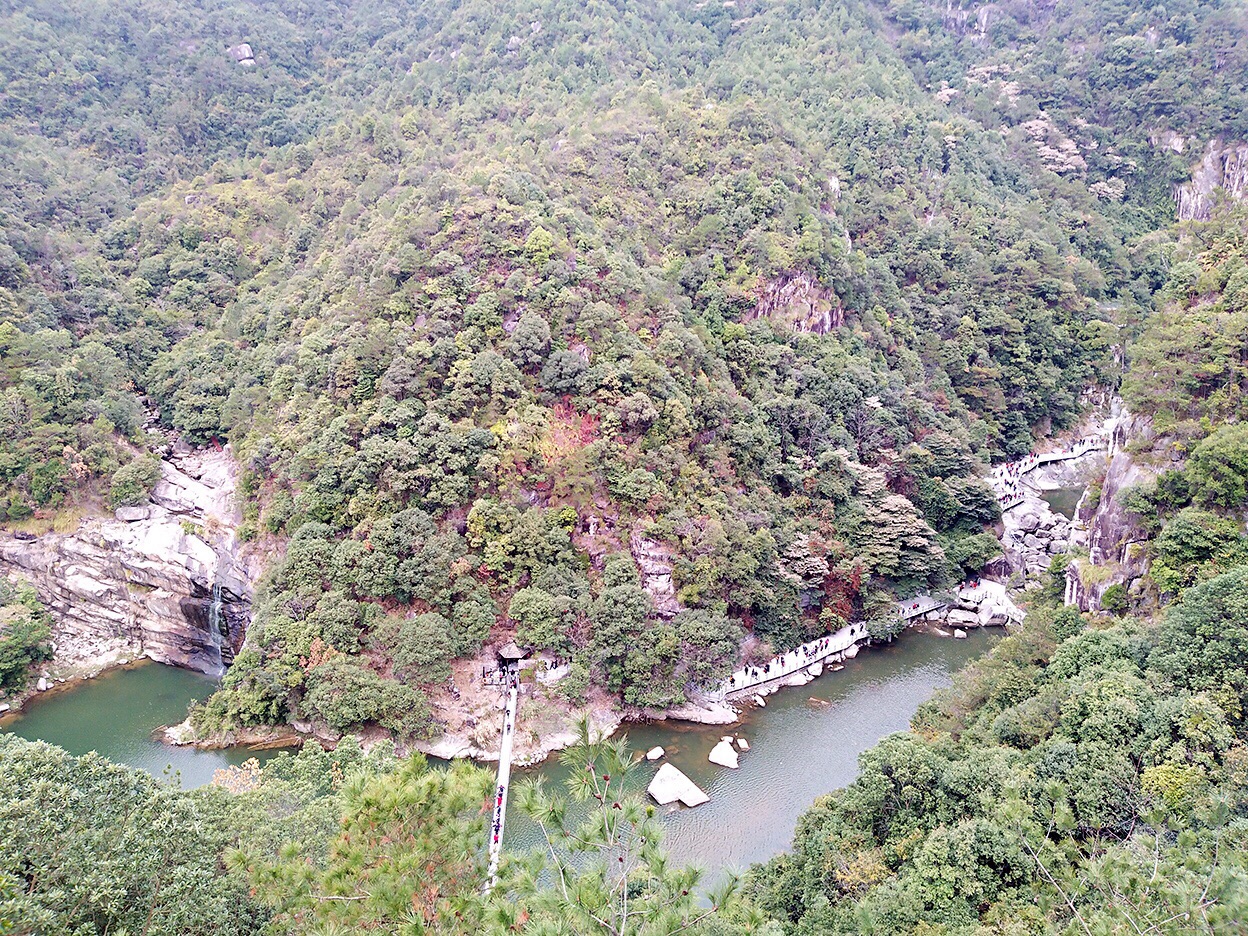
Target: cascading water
214 630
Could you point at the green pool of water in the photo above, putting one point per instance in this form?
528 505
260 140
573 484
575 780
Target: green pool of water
1063 501
805 743
116 714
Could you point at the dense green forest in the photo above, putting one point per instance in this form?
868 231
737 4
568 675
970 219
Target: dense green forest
490 283
481 297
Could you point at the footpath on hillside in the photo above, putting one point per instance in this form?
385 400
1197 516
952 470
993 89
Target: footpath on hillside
1006 479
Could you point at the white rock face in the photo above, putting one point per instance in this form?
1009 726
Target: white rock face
654 562
704 713
743 744
1223 166
144 586
242 54
724 754
655 753
670 785
959 634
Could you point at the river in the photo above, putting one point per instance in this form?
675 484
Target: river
805 743
116 714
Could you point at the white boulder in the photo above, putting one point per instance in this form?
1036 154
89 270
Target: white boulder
670 785
724 755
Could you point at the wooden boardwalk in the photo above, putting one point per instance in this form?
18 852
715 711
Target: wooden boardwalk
919 606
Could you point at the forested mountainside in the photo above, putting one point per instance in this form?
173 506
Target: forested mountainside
488 302
1114 94
496 295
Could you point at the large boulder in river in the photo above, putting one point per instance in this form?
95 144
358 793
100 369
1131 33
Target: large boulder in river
992 615
670 785
963 617
724 754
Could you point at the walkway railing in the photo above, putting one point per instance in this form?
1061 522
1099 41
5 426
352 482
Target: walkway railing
918 606
495 831
1006 478
786 664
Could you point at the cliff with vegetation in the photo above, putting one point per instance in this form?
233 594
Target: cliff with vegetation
651 336
473 334
167 579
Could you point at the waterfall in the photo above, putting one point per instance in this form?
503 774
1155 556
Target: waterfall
215 629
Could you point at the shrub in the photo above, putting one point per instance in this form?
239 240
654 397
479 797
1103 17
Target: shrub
133 483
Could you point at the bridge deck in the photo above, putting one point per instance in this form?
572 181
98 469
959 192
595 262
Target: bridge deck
494 833
918 606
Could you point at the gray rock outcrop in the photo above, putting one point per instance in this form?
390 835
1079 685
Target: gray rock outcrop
166 580
654 562
800 303
1033 534
242 54
1116 542
1224 166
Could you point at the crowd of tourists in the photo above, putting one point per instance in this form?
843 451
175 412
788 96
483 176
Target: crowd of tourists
785 663
1008 477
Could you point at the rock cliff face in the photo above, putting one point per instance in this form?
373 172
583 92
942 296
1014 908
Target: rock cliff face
166 580
1116 544
654 562
1223 166
798 302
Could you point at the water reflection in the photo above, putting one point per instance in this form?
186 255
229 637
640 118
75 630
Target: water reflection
116 714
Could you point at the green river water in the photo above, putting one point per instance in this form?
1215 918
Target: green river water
1063 501
805 743
116 714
